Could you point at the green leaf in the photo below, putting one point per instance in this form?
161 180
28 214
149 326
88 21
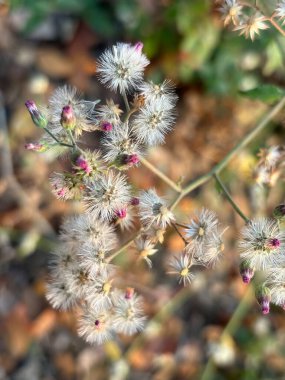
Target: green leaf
267 93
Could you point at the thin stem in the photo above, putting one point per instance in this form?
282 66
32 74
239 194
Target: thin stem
230 199
71 138
243 142
181 225
57 140
179 233
126 101
231 328
161 175
125 246
276 25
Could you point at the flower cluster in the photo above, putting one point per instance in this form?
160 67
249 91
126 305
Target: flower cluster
262 249
82 272
270 165
248 19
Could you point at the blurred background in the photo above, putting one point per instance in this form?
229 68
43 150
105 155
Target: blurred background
47 43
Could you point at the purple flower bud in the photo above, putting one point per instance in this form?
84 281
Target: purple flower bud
83 164
106 126
263 297
139 46
121 214
135 201
37 117
274 243
68 119
131 159
35 147
129 293
246 271
97 323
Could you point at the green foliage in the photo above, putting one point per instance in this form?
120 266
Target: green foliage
267 93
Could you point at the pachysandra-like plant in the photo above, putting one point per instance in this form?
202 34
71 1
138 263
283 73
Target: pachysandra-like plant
83 273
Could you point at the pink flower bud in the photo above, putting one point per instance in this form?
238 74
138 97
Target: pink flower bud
121 214
129 293
68 119
274 243
246 271
37 117
83 164
135 201
131 159
263 297
106 126
138 46
35 147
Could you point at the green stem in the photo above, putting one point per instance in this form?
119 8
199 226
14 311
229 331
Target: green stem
56 139
126 101
161 175
230 199
231 328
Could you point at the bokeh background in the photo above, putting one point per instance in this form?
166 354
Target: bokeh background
48 43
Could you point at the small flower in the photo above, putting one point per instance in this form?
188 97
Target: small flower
68 120
89 163
107 194
145 249
38 118
65 105
231 11
261 243
181 267
59 294
128 315
252 25
95 260
275 280
36 147
159 92
263 296
124 218
280 10
153 210
201 230
95 327
87 228
108 115
246 271
153 121
121 68
99 292
64 186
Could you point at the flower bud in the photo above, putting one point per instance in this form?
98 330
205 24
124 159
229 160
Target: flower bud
263 297
121 214
106 126
68 120
82 163
138 46
37 117
246 271
129 293
36 147
135 201
279 212
131 159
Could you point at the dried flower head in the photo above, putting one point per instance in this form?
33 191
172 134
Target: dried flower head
231 11
155 92
121 68
95 327
252 25
145 249
181 266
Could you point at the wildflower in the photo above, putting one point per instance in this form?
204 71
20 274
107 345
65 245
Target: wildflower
38 118
231 11
107 194
263 296
68 120
59 294
78 282
95 260
121 68
36 147
121 148
64 186
89 163
109 115
153 121
145 249
246 271
201 229
275 281
214 248
99 292
128 315
181 267
153 210
86 228
261 243
135 201
95 327
280 11
65 105
154 92
252 25
124 218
